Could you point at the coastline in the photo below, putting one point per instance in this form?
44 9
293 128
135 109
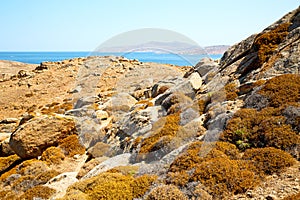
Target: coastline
51 56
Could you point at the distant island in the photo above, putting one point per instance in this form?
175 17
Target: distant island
166 47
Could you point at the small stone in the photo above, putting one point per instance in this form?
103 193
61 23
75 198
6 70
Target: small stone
271 197
249 194
76 156
102 115
9 121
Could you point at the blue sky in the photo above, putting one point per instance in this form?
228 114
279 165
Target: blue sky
77 25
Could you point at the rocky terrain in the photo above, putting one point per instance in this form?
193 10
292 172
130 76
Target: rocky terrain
113 128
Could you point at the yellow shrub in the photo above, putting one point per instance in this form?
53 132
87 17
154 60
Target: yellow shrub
269 160
38 192
268 42
71 146
231 91
112 186
170 127
282 90
266 128
293 197
223 177
53 155
6 162
166 192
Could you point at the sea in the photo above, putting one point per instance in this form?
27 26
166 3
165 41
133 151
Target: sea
38 57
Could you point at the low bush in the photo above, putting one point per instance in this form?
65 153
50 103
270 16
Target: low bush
293 197
231 90
37 192
112 186
71 146
198 152
8 195
223 177
282 90
32 167
266 43
266 128
6 162
166 127
53 155
166 192
269 160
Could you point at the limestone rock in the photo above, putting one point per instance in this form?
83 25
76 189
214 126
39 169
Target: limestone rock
33 137
61 183
195 80
120 102
178 99
185 88
119 160
139 122
100 149
163 85
102 115
205 65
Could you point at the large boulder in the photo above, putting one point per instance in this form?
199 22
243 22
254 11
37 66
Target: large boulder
33 137
119 160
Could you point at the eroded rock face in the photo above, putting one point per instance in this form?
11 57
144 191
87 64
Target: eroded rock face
32 138
267 54
205 65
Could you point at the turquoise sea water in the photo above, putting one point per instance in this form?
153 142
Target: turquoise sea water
38 57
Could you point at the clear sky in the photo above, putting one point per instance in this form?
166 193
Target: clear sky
78 25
